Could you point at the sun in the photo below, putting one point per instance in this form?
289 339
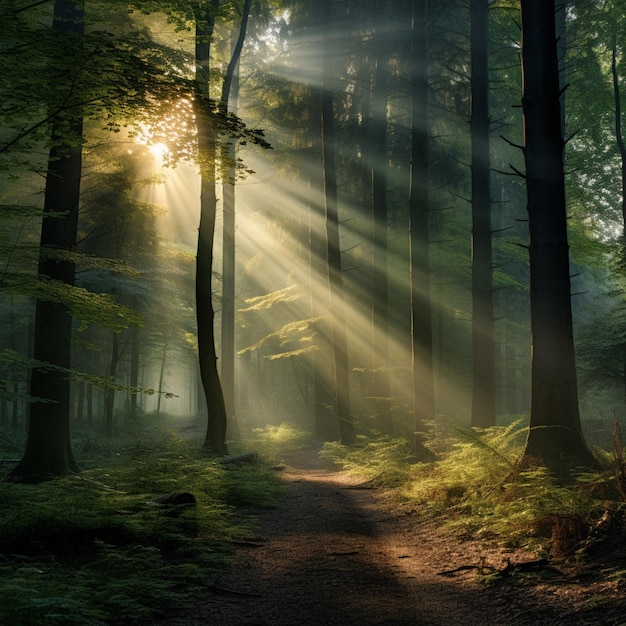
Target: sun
158 149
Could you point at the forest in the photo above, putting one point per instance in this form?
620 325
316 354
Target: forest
258 256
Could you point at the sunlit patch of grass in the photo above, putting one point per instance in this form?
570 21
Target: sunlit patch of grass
95 547
274 442
385 461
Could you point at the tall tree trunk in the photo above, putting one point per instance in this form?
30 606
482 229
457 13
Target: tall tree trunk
215 439
380 287
325 427
229 103
483 359
419 242
48 450
333 251
325 424
619 138
555 436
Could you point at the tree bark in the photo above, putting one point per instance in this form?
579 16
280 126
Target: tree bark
109 394
483 358
619 137
48 451
134 370
229 103
215 439
380 288
555 436
419 239
333 251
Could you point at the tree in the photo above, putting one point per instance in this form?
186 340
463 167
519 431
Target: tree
333 251
48 449
484 383
419 245
380 287
228 102
215 439
555 435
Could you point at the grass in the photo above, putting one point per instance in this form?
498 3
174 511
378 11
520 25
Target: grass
95 548
476 487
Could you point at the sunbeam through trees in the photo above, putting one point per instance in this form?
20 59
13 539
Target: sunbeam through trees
390 230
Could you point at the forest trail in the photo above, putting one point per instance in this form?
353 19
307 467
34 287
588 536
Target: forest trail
337 552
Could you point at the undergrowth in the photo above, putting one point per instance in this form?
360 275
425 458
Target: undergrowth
276 441
476 486
96 548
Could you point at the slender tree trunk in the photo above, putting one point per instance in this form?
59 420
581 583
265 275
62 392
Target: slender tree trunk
333 251
48 450
80 403
419 242
325 423
619 138
215 439
380 287
134 370
109 394
161 376
555 436
325 427
483 360
229 103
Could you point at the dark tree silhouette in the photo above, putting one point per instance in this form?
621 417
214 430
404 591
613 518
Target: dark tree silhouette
48 451
555 436
419 209
484 382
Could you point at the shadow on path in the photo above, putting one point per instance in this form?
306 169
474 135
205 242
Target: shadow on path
337 553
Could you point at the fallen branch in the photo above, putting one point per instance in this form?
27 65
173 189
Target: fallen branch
507 570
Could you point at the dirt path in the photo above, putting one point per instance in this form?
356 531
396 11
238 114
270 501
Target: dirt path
335 552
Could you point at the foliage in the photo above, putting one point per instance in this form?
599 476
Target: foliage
477 486
276 441
96 548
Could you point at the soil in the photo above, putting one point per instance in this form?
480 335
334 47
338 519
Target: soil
337 551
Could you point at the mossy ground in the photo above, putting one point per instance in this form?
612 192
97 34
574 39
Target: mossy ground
95 548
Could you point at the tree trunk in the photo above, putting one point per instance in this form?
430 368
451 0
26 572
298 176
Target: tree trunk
483 359
161 377
134 370
555 436
48 451
215 439
333 251
109 394
619 138
229 103
380 288
419 241
325 423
